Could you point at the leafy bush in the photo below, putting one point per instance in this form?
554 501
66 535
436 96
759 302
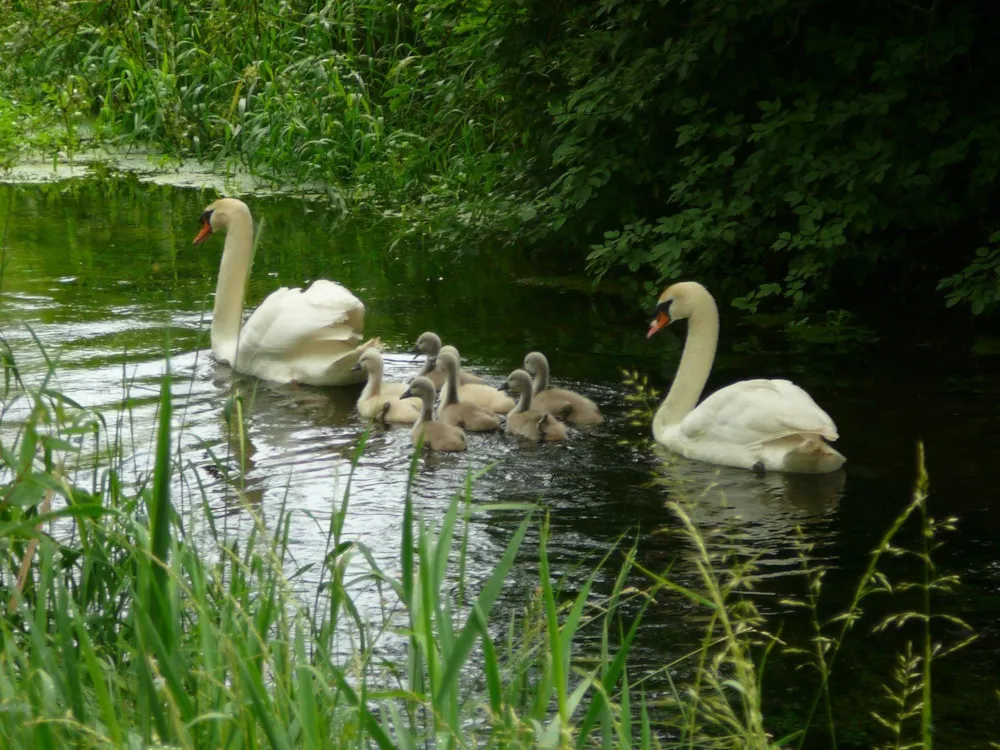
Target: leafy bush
334 92
978 283
783 148
787 150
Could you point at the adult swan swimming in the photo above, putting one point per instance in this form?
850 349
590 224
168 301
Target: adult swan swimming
763 425
310 336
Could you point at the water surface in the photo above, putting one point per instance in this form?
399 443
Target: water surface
105 276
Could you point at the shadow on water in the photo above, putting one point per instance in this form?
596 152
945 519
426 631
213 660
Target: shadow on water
102 272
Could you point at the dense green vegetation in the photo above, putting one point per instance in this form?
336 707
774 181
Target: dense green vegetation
134 619
784 148
793 152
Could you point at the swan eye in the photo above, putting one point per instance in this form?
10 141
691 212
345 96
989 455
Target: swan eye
664 307
206 217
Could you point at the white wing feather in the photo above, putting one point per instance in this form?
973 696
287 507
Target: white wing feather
291 318
312 336
753 412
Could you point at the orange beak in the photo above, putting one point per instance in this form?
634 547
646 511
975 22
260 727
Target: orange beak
206 229
662 320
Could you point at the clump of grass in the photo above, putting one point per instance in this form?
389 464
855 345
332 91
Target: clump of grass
641 397
126 630
358 97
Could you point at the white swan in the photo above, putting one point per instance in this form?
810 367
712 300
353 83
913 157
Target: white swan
312 336
770 425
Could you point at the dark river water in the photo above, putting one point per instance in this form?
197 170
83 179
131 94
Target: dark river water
102 271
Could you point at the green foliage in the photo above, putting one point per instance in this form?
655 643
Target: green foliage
785 149
978 284
334 93
641 398
35 127
791 151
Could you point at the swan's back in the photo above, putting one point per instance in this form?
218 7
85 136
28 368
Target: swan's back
486 396
469 416
770 425
388 406
535 425
439 436
752 412
291 318
568 405
312 336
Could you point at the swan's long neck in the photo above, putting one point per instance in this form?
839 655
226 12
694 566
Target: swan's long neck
450 386
426 410
237 257
541 381
524 403
428 366
374 385
695 366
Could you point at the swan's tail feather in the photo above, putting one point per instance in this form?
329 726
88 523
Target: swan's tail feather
821 435
813 456
340 371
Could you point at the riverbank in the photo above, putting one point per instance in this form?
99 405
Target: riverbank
579 128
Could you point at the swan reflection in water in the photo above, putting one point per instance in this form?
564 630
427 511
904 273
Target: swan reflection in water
761 512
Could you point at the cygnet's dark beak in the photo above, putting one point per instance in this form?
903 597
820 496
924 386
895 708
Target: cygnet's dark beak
357 366
407 394
504 386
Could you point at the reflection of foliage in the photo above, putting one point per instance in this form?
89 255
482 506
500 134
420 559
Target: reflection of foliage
838 329
66 229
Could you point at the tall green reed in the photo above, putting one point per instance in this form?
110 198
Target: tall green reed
724 706
210 643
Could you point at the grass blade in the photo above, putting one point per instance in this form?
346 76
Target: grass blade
483 604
